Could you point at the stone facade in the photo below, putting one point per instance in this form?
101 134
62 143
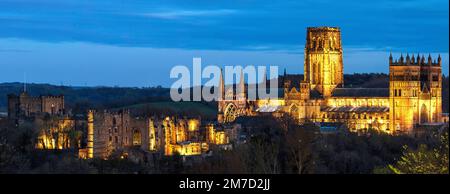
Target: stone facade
413 97
24 105
118 130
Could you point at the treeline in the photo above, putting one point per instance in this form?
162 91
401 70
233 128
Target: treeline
273 146
279 147
80 98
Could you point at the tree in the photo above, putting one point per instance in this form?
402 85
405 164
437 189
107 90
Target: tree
299 139
424 160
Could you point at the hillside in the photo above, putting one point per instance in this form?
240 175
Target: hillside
157 98
80 98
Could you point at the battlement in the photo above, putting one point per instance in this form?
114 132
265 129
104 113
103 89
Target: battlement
414 61
324 28
25 105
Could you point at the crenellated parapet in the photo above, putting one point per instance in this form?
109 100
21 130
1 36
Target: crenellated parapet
415 61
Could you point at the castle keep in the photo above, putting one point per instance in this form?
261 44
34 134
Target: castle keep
412 99
25 105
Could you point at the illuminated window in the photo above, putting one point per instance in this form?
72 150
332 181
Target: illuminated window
136 138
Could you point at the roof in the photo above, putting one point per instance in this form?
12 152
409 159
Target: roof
356 109
268 108
280 92
360 92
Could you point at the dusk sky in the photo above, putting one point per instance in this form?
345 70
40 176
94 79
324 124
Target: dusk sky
136 43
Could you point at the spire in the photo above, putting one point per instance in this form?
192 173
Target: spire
429 59
418 58
407 59
401 58
242 84
413 60
390 58
221 86
439 59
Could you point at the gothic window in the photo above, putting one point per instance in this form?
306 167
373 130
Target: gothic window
230 113
294 111
136 138
423 114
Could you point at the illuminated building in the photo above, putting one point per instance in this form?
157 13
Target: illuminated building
54 134
412 99
109 131
24 105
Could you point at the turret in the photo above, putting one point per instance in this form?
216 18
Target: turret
221 87
242 85
90 134
401 59
430 61
408 60
390 58
439 60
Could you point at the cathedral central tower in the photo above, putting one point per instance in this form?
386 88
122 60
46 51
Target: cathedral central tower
323 59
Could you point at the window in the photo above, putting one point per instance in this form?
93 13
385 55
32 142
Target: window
136 137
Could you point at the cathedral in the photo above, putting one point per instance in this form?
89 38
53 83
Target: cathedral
412 99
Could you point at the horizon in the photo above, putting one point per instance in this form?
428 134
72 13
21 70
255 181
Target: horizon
111 43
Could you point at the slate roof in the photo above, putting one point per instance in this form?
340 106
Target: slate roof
360 92
358 109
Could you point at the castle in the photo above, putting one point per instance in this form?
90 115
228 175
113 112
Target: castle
412 99
24 105
108 131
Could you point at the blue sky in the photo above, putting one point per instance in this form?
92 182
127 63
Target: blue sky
136 43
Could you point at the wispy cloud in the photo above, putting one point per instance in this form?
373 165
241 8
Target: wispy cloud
178 14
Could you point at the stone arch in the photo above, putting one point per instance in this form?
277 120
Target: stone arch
137 137
230 113
294 111
424 114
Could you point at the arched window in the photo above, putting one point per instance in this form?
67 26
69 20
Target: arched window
137 138
230 113
423 114
294 111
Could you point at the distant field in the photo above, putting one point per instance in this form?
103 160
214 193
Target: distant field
189 108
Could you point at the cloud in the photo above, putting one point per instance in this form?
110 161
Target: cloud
178 14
